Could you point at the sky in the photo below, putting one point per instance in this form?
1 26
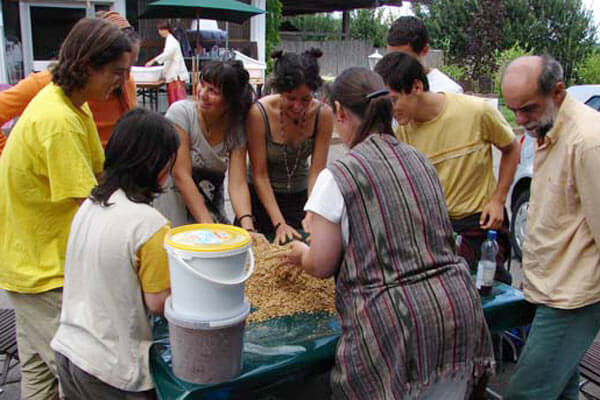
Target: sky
594 5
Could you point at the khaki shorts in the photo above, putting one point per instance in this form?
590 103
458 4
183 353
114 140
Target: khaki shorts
38 317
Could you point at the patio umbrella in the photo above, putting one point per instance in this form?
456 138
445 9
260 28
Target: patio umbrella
222 10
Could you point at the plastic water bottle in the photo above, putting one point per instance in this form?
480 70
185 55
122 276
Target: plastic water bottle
457 241
486 268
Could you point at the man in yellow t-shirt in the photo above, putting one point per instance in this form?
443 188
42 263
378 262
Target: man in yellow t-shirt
456 133
48 167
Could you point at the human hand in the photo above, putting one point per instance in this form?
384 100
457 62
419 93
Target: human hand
149 63
306 226
296 252
285 233
258 239
492 215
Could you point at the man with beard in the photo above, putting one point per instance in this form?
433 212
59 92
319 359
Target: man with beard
561 252
457 132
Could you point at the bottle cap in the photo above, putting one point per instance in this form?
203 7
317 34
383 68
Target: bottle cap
492 234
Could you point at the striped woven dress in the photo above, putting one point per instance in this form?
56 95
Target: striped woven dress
409 310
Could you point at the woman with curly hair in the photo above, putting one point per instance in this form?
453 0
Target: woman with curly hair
284 130
48 167
213 141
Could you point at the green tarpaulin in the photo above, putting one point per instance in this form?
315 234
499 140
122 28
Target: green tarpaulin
301 345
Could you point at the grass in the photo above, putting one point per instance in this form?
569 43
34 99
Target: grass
509 115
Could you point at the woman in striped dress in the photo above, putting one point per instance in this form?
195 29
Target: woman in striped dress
412 322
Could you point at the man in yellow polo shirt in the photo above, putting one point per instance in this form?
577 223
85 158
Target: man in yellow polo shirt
456 132
48 167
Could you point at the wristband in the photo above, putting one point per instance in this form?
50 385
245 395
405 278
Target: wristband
245 216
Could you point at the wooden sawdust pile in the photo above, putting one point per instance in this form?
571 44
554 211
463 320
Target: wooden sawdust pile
278 288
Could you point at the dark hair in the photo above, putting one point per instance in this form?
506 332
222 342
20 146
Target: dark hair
360 91
164 25
408 30
292 70
400 71
233 80
551 74
141 145
92 43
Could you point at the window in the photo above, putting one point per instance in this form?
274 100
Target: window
49 27
594 102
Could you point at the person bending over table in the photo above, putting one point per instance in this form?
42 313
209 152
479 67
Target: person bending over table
116 267
175 71
456 132
213 141
412 322
284 130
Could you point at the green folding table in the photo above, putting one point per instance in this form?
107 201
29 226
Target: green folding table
289 348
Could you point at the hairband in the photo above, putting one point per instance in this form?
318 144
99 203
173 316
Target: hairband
377 93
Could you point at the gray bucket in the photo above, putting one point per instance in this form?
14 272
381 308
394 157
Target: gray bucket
206 351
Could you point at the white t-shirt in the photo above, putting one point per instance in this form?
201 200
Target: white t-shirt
327 200
440 82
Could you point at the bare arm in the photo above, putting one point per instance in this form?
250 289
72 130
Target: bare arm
255 128
238 187
492 215
319 156
321 147
182 174
156 301
322 258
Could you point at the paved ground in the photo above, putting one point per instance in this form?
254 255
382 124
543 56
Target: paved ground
315 388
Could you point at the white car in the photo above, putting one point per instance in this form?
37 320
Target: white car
519 191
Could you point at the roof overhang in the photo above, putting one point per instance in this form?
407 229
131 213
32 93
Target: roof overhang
295 7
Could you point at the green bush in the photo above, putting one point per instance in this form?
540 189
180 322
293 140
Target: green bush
454 71
503 58
588 72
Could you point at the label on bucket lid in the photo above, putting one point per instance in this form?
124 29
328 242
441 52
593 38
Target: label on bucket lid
207 237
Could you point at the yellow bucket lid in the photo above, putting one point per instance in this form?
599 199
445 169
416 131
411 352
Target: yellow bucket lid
207 237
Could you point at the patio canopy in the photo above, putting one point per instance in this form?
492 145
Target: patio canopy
222 10
295 7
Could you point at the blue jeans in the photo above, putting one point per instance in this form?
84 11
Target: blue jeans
549 365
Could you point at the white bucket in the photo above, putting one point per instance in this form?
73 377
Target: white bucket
206 351
207 281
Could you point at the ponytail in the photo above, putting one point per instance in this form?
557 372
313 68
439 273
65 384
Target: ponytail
363 93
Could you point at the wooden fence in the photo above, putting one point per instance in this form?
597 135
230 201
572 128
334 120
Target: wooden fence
341 54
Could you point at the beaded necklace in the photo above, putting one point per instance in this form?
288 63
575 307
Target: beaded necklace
302 122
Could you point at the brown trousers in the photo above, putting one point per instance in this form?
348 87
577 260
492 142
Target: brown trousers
76 384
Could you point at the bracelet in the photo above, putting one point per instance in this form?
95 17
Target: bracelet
245 216
277 225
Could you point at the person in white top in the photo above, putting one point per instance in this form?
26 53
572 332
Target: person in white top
116 269
409 35
175 71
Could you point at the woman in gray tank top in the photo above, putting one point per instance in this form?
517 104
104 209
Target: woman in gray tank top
211 129
284 131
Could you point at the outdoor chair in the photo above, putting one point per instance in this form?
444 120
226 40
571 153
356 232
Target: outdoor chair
589 368
8 342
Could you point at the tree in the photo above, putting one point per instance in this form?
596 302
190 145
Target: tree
369 24
273 21
317 26
562 28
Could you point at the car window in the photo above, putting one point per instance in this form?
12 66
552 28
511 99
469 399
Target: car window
594 102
